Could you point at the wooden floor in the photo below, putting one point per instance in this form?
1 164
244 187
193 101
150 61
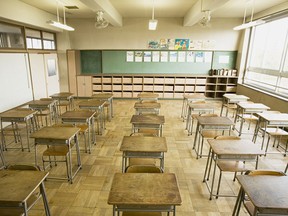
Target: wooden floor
88 194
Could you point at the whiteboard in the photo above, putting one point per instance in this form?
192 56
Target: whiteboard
15 85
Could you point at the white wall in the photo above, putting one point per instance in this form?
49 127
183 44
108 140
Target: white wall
135 34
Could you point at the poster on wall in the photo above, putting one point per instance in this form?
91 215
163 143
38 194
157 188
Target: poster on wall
155 56
129 56
163 44
181 44
138 56
153 44
199 57
195 45
207 57
190 56
208 44
181 56
164 56
173 56
51 67
170 44
147 56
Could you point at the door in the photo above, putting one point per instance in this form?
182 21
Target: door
52 73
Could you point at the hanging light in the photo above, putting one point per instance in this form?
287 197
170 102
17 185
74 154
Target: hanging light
58 24
153 22
252 23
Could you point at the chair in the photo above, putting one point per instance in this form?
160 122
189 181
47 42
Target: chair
143 169
249 205
246 117
278 133
193 117
229 166
14 210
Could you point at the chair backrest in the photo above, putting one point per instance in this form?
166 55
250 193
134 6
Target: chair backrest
221 137
209 114
265 172
23 167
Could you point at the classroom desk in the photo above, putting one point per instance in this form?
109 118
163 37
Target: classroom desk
271 120
187 98
244 109
59 136
233 150
231 99
143 147
144 192
15 116
268 193
63 96
198 108
147 107
82 117
151 121
16 186
106 97
98 106
147 96
209 123
42 105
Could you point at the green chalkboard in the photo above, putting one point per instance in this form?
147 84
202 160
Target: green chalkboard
91 61
224 59
115 62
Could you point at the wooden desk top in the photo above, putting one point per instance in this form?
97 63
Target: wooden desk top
147 105
235 147
104 96
143 144
37 103
144 189
91 103
214 120
204 106
283 117
147 95
147 119
62 95
18 113
254 106
78 114
60 133
17 185
194 96
235 96
266 192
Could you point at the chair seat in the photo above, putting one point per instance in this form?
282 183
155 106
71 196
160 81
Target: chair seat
56 151
143 169
249 117
209 134
141 214
142 161
231 166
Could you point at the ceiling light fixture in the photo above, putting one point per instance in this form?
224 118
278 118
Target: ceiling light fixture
251 23
58 24
153 22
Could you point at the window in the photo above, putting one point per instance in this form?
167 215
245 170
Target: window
11 36
267 66
37 39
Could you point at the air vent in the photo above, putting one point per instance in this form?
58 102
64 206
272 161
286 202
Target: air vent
73 7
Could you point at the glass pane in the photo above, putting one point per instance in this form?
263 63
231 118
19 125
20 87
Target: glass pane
47 35
47 44
36 43
11 36
29 43
268 44
262 80
33 33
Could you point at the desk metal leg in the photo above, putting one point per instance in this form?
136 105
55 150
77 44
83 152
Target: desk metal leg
238 202
44 197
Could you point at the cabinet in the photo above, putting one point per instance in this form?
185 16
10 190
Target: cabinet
166 86
84 86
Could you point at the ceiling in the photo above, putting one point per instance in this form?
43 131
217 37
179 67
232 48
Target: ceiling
118 9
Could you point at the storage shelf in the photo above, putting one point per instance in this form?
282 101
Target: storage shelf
166 86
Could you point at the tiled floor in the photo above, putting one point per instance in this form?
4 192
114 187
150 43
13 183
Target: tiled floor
88 194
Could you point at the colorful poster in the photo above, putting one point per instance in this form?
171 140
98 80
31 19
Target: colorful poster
153 44
147 56
163 44
129 56
171 44
181 44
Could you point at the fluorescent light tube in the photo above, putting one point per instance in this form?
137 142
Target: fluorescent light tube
153 24
249 24
60 25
